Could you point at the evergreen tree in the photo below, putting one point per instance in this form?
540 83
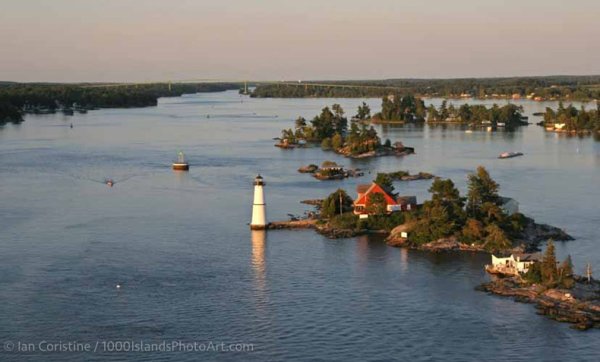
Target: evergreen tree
548 267
330 207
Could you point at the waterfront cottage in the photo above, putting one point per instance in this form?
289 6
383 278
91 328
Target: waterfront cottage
509 206
392 203
515 264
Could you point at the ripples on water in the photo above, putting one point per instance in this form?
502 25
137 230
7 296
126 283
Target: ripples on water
190 269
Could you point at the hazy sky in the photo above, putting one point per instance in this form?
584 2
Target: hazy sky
145 40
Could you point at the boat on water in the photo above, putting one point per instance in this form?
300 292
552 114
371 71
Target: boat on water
469 131
109 182
181 164
501 124
510 154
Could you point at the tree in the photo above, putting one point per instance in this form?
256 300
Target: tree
385 181
565 273
548 268
473 232
331 205
337 141
446 195
482 189
326 143
300 122
363 112
496 239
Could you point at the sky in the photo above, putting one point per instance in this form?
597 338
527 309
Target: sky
160 40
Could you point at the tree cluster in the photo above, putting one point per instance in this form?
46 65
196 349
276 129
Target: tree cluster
549 273
510 114
476 219
575 120
401 108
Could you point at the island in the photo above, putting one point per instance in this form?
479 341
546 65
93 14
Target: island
330 170
330 130
555 290
572 120
482 221
509 115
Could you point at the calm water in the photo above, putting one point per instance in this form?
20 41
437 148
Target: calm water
190 269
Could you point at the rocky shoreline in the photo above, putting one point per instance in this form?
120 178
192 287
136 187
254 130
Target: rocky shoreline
579 305
529 240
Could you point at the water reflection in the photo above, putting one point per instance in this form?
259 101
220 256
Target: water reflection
259 239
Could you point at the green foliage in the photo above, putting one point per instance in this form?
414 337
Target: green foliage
548 273
549 270
534 273
33 97
385 181
402 108
575 120
326 143
345 221
496 240
9 113
575 88
473 232
363 112
383 222
331 205
509 114
376 204
482 189
337 141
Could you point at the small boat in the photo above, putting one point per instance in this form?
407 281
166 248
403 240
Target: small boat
469 131
110 182
501 124
489 129
181 164
510 154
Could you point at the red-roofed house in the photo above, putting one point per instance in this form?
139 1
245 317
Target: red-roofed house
362 202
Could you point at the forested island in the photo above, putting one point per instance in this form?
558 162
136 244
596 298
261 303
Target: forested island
574 88
555 289
481 221
330 130
572 120
19 98
508 115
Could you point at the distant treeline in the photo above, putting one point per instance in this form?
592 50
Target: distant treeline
16 98
576 88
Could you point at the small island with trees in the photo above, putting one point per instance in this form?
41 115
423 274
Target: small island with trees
555 289
572 120
330 130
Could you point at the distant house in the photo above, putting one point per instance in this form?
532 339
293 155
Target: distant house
509 206
515 264
393 203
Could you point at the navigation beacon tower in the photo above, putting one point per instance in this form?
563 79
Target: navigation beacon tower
259 212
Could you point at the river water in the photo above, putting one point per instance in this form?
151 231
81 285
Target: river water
190 270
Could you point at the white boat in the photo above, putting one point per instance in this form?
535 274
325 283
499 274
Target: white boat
501 124
510 154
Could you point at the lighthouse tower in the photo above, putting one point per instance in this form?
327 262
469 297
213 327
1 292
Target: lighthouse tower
259 212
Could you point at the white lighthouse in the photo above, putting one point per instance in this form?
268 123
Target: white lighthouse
259 211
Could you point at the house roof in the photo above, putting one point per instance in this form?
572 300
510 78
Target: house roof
363 197
361 189
529 256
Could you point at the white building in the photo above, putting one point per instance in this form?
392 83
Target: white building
514 264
